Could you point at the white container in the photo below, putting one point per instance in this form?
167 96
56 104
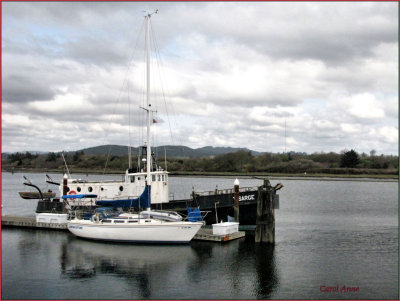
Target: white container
51 218
225 228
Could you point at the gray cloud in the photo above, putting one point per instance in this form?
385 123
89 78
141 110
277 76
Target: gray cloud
236 72
18 88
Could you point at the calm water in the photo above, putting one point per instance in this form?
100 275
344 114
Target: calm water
328 234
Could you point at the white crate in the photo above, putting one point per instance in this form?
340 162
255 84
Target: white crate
225 228
51 218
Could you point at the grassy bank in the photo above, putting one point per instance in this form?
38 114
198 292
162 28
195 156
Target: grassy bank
241 163
260 175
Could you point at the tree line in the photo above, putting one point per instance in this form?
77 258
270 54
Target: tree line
347 162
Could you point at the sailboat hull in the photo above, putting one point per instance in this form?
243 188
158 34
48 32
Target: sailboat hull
138 232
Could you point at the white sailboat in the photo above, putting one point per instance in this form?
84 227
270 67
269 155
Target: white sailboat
133 228
146 226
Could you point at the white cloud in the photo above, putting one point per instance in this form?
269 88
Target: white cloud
389 134
233 74
363 106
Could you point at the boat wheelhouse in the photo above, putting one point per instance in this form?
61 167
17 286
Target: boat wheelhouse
130 187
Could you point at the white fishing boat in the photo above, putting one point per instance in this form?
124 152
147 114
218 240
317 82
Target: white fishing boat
138 190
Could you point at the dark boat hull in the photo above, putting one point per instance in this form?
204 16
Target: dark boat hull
222 201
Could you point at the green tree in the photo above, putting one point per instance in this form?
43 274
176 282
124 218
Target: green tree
349 159
51 157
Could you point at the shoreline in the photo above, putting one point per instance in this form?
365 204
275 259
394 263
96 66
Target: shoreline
261 176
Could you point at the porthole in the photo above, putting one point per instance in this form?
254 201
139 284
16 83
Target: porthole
121 188
90 189
78 189
102 189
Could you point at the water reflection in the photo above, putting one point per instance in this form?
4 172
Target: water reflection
196 271
267 279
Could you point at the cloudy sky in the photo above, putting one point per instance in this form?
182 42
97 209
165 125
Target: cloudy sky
269 76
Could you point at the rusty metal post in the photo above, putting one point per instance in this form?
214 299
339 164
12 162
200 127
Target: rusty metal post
236 200
265 220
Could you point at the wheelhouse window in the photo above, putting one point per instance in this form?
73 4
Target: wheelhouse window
153 178
132 179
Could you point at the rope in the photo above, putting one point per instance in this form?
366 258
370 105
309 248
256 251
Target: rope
125 81
160 66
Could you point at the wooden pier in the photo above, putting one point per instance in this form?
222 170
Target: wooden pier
206 234
29 222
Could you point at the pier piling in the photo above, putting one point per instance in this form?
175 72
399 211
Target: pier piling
236 200
265 220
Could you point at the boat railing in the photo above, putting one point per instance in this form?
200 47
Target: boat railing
78 181
116 198
224 191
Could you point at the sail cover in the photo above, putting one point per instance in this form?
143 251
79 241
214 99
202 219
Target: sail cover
143 201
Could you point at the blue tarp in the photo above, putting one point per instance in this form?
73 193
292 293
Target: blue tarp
141 202
194 215
79 196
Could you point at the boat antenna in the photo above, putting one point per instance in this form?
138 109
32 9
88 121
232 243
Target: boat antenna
65 162
165 157
285 135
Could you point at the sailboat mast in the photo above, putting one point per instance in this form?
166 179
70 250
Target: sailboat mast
148 97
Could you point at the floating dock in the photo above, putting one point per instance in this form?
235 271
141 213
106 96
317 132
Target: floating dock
204 233
29 222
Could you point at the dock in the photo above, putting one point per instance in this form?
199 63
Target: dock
29 222
204 234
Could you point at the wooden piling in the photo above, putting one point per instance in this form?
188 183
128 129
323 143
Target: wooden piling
265 220
236 201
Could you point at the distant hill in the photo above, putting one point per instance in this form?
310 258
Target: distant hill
4 156
172 151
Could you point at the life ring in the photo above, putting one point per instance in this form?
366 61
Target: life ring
72 192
